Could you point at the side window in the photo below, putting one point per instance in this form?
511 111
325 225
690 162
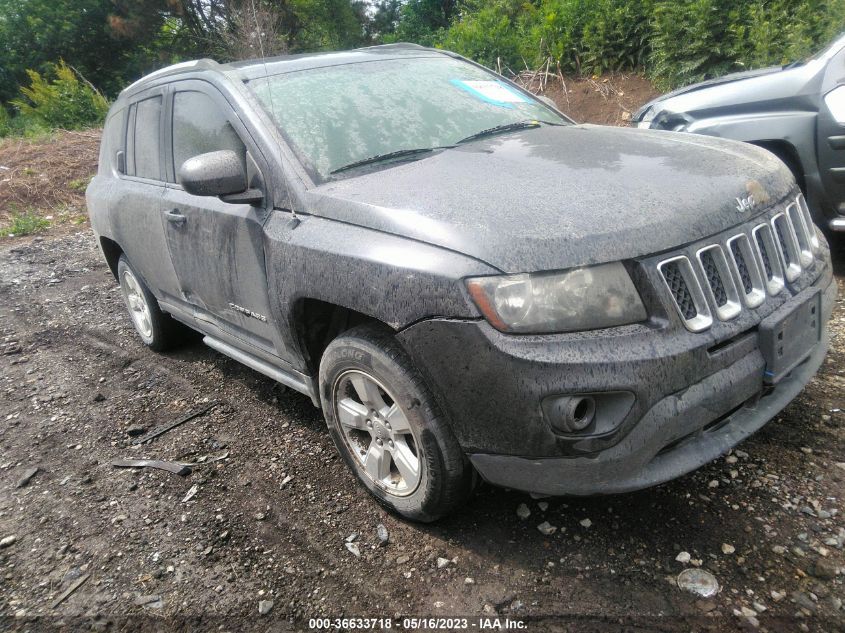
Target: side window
200 126
142 139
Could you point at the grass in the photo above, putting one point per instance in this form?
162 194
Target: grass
26 224
79 184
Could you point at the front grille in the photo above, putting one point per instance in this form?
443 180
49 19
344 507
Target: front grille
713 278
686 292
788 244
764 254
679 289
744 269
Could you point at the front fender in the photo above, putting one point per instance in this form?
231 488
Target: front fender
796 128
395 280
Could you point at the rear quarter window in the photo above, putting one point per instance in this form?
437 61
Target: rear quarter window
111 142
143 146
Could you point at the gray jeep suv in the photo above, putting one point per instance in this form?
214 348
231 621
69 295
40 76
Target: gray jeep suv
463 280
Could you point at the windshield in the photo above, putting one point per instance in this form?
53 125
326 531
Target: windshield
339 115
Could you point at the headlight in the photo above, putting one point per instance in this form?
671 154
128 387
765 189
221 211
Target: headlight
577 299
673 121
648 117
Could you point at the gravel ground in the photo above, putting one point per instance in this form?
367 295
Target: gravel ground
269 518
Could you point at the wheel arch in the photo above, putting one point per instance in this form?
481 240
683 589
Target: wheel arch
112 252
317 323
787 153
788 135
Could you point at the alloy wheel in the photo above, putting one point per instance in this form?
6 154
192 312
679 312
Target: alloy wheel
376 431
137 303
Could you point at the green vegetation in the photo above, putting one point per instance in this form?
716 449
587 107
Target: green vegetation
25 224
674 42
63 102
110 43
79 184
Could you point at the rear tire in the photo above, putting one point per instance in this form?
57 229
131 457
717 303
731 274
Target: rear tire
388 428
158 331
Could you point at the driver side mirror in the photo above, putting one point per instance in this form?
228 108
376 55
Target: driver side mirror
220 174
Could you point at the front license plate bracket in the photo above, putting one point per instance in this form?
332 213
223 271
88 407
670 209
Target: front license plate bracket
790 333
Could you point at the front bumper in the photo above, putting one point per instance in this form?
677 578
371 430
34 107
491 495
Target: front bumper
642 458
695 396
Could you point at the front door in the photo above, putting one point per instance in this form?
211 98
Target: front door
831 132
216 247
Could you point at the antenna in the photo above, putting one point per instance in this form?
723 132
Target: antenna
258 30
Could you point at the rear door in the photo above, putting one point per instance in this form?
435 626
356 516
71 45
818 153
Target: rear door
216 247
831 132
136 202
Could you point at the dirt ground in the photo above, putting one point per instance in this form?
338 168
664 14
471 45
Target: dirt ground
606 100
48 176
268 511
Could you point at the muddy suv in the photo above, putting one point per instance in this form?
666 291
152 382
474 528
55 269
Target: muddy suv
463 280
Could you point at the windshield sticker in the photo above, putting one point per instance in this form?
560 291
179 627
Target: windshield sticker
494 92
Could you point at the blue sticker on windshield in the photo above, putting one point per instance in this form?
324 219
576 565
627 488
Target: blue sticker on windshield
496 93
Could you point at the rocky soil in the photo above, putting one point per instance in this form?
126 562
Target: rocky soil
270 519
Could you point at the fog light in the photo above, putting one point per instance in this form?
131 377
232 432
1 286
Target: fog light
587 414
571 414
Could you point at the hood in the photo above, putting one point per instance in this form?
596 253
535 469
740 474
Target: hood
718 81
557 197
746 91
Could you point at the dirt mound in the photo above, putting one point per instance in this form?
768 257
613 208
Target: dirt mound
606 100
48 175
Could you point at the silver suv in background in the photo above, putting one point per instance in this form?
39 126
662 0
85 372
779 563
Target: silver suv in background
796 111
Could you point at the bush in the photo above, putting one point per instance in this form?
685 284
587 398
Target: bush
675 41
5 122
698 39
63 102
490 33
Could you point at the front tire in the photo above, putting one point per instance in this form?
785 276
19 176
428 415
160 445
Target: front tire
388 428
157 329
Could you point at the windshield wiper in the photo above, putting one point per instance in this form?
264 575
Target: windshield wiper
382 157
506 127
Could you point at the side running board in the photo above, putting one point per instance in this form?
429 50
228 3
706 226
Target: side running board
290 378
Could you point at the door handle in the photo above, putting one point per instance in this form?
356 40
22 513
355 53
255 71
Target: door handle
174 216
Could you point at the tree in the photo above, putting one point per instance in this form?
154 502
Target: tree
423 20
36 32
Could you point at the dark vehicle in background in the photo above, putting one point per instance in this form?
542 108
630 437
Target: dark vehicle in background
466 282
796 111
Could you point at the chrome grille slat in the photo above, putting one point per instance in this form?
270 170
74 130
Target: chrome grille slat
746 267
802 235
686 292
815 245
768 252
719 287
787 246
742 269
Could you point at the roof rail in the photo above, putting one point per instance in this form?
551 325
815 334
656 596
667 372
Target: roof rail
394 46
175 69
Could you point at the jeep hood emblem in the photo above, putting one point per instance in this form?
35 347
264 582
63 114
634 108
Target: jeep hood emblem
745 204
